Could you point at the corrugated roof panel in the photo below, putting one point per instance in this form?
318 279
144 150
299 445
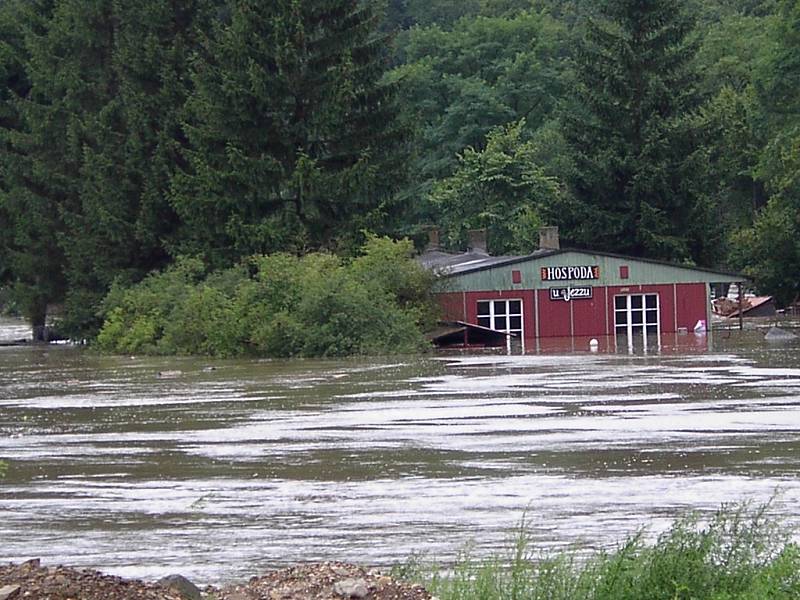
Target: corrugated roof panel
472 271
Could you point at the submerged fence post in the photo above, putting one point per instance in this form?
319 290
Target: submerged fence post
741 305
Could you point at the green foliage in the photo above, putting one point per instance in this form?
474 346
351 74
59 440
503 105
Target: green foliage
94 117
458 84
724 169
129 67
738 555
502 189
277 305
403 14
292 136
628 128
390 266
444 13
3 468
778 79
136 318
731 51
133 133
769 250
34 157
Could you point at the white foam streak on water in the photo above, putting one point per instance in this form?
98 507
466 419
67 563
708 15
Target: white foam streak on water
245 525
220 474
14 329
496 427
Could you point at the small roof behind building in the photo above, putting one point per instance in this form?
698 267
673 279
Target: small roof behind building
446 263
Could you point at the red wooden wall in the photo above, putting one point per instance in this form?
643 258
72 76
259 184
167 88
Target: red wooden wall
681 305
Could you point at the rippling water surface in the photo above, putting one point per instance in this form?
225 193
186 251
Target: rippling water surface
221 469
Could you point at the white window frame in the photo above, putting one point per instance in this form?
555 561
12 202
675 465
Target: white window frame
628 310
493 317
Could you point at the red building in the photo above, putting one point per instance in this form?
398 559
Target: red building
555 296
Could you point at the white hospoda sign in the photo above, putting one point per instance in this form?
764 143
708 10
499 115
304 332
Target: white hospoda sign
567 273
571 293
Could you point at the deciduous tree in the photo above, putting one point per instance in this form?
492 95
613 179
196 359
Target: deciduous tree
502 189
770 250
459 84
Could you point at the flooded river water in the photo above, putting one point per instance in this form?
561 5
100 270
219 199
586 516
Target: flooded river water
221 469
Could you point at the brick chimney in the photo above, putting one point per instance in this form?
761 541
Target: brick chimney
433 240
548 238
477 241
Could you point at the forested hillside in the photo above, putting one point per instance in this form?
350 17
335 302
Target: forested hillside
138 134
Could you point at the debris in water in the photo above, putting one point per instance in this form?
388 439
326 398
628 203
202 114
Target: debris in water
168 374
776 334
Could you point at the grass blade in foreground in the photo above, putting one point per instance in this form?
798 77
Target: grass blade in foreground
740 554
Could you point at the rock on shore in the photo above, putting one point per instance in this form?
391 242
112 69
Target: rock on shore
324 581
30 580
321 581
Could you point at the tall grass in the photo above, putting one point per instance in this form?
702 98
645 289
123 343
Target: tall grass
739 554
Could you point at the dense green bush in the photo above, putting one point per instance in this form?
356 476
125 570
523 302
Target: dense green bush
739 555
277 305
8 305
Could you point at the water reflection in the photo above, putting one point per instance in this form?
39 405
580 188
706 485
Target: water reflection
221 473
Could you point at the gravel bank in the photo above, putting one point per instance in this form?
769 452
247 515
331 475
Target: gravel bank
322 581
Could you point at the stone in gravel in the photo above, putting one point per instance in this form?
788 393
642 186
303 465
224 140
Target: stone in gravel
351 588
7 592
72 590
182 586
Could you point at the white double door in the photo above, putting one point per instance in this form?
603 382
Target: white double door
636 318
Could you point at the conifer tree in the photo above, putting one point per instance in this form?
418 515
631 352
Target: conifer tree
12 83
628 130
33 137
124 226
292 135
93 146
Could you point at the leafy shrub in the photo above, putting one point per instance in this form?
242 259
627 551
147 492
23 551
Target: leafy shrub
135 317
278 305
8 304
201 324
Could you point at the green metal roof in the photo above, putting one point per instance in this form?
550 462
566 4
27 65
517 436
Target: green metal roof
471 274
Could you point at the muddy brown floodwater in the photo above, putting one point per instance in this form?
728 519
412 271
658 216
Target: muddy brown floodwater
222 469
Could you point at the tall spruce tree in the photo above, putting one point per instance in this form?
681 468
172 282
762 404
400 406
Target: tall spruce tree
12 84
91 151
33 161
292 135
123 225
628 128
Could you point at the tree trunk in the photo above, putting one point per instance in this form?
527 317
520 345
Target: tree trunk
38 317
